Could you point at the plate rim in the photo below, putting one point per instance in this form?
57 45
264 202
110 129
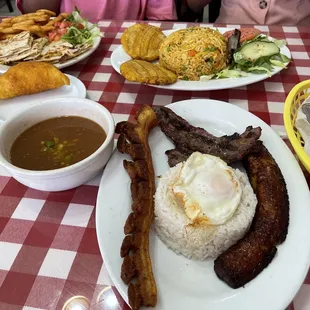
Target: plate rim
79 84
292 293
74 81
180 87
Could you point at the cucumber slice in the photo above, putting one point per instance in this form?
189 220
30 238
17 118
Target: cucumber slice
254 50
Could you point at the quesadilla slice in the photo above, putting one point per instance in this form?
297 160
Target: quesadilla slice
32 53
36 49
55 51
82 49
16 44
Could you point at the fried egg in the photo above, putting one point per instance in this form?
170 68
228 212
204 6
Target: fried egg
208 189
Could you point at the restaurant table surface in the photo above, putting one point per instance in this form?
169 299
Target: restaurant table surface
49 255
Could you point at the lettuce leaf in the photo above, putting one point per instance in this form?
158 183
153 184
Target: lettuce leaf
230 73
77 36
263 65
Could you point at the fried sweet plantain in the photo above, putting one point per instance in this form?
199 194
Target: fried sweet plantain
270 188
146 72
142 41
249 256
137 266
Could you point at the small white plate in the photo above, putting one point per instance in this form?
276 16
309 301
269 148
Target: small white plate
119 56
187 284
11 106
70 62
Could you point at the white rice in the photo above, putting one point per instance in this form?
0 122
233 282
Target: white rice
199 241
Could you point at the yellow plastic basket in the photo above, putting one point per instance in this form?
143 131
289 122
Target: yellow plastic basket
295 98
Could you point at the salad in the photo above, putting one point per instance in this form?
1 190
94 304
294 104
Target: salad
74 29
254 53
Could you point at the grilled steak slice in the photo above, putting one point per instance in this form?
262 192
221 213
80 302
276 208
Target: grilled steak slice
180 154
166 115
250 255
177 155
189 139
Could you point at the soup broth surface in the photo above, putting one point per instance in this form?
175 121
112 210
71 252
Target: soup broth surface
56 143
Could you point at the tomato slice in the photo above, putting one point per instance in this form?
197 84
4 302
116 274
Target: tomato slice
54 35
62 31
80 26
65 24
51 35
57 37
246 34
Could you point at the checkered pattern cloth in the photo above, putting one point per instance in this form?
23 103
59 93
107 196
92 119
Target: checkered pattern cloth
49 251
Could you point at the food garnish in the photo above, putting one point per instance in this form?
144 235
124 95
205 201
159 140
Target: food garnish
137 266
30 77
75 29
246 34
259 55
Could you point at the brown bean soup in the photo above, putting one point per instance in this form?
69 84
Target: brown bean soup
56 143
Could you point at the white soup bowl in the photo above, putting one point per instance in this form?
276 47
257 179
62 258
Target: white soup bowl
62 178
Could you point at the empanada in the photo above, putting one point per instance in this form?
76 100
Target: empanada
31 77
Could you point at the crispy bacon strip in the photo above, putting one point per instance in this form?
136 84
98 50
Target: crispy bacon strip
137 266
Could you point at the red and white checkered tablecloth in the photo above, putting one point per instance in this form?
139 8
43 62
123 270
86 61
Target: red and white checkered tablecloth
48 247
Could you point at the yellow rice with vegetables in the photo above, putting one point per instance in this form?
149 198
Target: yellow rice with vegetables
194 52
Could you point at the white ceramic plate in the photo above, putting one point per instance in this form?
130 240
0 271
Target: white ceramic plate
186 284
11 106
70 62
119 56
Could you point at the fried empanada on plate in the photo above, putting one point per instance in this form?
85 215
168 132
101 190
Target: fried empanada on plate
31 77
142 41
147 72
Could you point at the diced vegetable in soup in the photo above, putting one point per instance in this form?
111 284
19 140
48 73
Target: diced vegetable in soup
56 143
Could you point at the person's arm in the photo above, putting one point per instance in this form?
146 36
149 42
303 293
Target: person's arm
28 6
197 5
